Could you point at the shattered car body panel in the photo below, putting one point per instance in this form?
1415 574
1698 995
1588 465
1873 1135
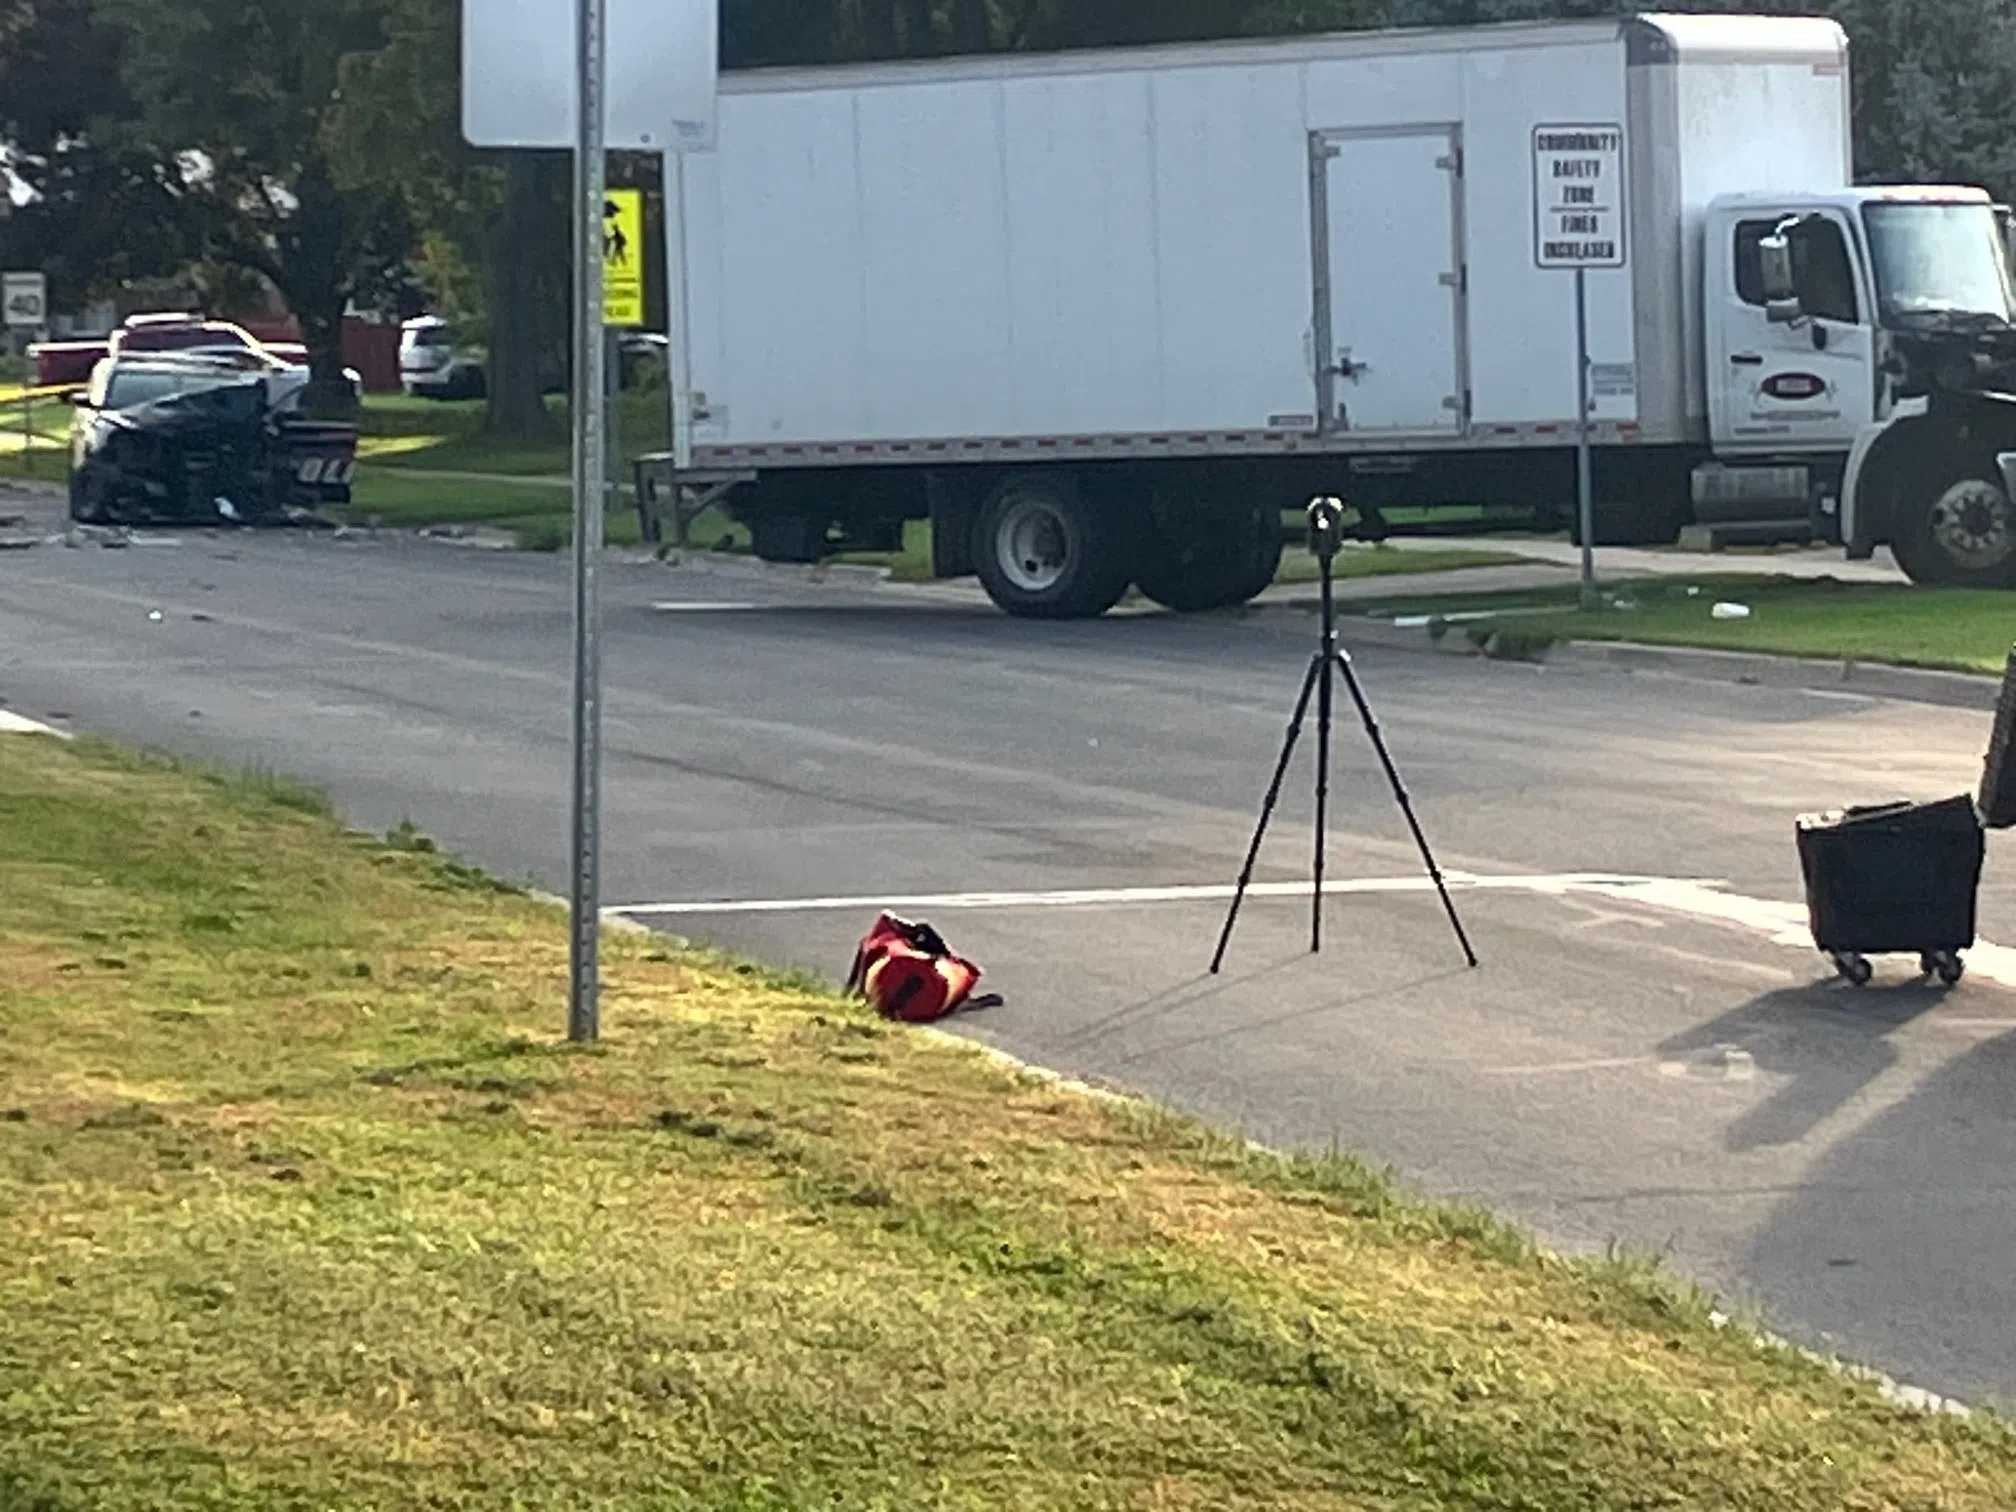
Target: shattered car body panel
165 443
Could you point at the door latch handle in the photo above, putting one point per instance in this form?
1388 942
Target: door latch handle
1746 359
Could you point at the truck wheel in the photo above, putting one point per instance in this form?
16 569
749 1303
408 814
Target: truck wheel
1219 562
1044 551
795 539
1959 530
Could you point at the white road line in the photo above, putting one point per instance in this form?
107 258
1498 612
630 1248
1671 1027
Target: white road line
1108 897
703 608
1783 924
1570 1068
15 724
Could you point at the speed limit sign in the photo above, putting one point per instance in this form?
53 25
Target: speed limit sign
25 299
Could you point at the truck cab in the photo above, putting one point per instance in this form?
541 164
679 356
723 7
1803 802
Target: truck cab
1859 342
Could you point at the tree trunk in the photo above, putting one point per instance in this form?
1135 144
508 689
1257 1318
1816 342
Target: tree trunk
520 327
322 333
329 395
310 274
971 32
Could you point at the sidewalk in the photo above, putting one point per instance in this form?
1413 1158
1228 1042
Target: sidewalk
1669 561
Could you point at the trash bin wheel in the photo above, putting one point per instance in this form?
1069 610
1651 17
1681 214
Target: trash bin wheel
1854 969
1944 964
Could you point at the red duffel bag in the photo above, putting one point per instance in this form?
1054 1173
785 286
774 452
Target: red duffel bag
910 974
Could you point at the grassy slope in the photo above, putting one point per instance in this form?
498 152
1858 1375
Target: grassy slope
1961 629
306 1207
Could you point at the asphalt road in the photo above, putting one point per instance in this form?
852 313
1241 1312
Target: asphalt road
1661 1063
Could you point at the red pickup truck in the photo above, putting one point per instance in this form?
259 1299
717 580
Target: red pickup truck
70 362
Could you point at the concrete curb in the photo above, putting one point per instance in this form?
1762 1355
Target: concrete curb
16 724
1957 690
729 565
32 488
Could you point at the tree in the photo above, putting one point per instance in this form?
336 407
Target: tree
770 33
101 210
398 126
1935 90
242 94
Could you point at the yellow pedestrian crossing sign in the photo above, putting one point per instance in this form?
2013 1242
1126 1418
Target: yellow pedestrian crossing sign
623 258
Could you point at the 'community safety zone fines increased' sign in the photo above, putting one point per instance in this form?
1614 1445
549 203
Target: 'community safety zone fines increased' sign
623 258
1578 196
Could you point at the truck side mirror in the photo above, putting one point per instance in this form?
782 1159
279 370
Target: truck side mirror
1774 259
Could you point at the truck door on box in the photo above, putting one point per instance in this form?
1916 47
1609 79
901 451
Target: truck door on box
1802 385
1389 276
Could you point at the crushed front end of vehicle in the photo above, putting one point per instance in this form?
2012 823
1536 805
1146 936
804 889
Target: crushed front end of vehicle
226 454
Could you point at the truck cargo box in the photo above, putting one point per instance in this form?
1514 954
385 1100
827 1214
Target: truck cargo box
1231 249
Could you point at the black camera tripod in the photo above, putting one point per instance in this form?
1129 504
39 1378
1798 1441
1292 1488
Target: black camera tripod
1326 536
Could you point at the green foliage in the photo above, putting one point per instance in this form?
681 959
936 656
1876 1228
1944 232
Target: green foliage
240 95
102 206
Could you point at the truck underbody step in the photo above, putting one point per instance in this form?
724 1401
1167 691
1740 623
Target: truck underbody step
1720 537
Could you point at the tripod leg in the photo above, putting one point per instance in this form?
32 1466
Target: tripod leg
1267 808
1406 803
1324 704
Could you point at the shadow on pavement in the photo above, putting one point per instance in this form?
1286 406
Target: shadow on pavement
1829 1042
1897 1245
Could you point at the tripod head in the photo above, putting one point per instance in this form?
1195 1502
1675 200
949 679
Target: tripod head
1326 528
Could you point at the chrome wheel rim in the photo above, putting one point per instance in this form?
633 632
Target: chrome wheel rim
1973 525
1032 545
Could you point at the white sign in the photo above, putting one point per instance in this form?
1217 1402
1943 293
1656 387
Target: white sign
520 89
26 300
1578 196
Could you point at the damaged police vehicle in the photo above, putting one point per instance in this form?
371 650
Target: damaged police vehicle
203 438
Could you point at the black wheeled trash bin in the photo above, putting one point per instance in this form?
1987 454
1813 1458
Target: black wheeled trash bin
1895 879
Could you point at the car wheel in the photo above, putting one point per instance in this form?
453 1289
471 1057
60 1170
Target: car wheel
87 499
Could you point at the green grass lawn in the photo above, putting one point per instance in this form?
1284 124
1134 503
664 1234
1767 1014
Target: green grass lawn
33 435
307 1204
405 439
447 435
1957 629
1373 561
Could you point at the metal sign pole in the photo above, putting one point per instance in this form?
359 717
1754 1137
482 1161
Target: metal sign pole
1579 223
678 361
1584 485
590 477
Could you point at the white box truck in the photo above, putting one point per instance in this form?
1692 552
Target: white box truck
1103 317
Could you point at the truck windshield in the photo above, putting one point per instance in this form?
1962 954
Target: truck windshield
1934 260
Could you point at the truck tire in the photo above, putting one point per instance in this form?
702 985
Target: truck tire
1956 528
793 539
1220 562
1045 551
